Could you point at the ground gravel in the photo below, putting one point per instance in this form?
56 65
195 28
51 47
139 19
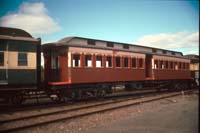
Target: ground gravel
104 119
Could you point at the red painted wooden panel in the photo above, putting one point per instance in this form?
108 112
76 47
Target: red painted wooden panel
47 68
171 74
91 75
63 69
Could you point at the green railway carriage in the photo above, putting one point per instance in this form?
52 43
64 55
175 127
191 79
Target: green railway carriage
19 60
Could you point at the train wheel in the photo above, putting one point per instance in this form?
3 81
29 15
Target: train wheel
176 86
56 99
79 94
70 97
17 99
171 88
184 86
129 87
102 93
67 99
193 85
138 86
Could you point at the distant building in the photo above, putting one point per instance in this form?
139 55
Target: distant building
194 66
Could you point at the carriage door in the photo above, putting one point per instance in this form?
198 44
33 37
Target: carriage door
3 63
54 66
148 67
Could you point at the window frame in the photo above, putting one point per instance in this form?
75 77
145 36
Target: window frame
140 67
3 59
54 61
162 64
172 65
135 63
91 42
166 64
21 61
184 65
101 61
164 51
120 64
79 63
179 66
157 64
126 46
128 62
108 63
176 66
154 50
110 44
187 66
87 62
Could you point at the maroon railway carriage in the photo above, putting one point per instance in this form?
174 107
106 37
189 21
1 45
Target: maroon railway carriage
75 66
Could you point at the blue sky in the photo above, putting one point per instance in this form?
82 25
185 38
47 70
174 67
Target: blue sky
166 24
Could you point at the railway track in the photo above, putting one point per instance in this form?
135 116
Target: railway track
74 107
35 106
16 124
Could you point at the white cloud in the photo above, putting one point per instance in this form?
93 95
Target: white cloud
170 41
32 17
47 41
192 52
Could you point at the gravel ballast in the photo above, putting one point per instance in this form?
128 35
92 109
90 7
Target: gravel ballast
85 124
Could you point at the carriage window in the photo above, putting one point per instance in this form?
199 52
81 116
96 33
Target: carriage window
187 66
162 64
99 61
154 50
179 65
164 52
76 60
133 64
54 61
126 62
156 64
1 58
171 65
166 65
176 65
126 46
117 62
22 59
108 61
110 44
88 61
183 65
91 42
140 63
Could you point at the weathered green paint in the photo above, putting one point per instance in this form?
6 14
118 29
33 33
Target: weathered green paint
3 45
2 74
21 46
22 76
18 76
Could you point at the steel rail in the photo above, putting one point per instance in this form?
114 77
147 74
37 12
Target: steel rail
92 112
52 105
104 102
